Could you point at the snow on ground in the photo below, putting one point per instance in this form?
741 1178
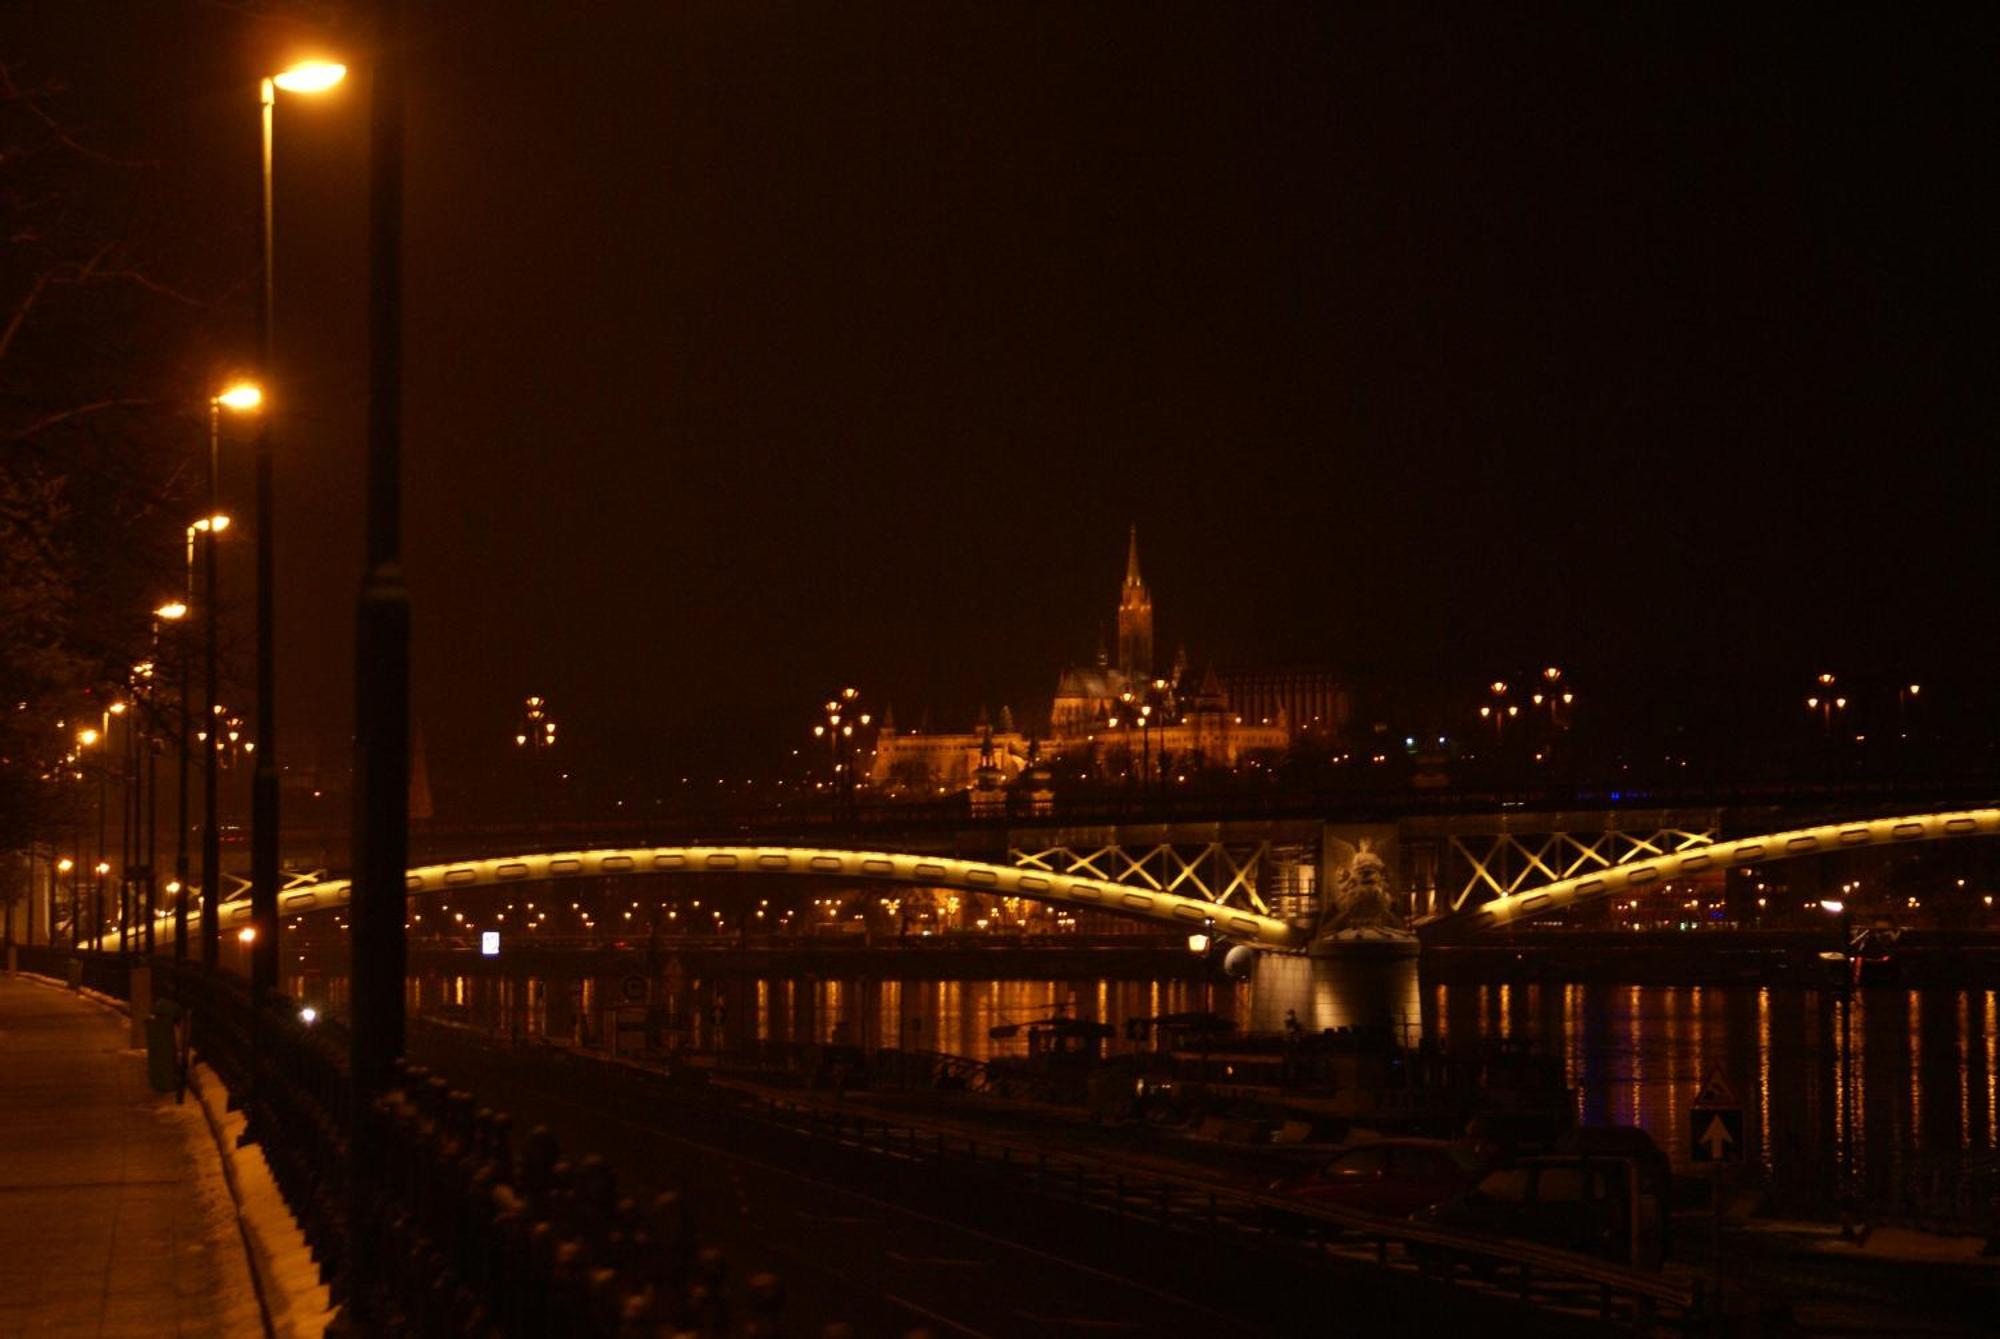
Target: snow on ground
294 1299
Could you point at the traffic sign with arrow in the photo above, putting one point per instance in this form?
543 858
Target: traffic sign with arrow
1715 1122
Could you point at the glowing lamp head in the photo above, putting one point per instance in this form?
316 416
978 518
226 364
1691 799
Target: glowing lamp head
1833 906
103 867
171 610
247 935
310 76
242 397
308 1015
86 737
116 708
65 865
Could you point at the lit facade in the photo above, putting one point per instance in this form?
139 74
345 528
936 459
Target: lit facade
1127 718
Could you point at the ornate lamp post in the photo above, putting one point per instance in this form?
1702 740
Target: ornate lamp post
1826 704
838 730
535 736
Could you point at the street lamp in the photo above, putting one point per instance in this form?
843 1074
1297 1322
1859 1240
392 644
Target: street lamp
536 734
842 719
65 866
241 397
306 77
212 524
1825 702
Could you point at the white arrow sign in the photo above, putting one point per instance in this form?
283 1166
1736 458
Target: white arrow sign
1716 1137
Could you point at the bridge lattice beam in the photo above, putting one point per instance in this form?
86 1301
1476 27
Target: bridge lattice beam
1510 863
1220 873
1733 854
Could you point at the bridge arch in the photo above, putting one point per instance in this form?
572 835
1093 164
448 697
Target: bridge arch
975 876
1826 838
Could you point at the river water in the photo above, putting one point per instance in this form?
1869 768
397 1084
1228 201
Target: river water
1869 1091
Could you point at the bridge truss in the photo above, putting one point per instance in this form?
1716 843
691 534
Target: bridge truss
1508 864
1713 856
1223 873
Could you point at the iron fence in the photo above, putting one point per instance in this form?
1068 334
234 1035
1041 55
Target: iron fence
461 1232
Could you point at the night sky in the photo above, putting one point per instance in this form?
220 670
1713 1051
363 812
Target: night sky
757 350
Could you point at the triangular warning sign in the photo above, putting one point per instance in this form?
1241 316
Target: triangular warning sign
1716 1092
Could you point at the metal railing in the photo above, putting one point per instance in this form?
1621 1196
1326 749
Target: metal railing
463 1234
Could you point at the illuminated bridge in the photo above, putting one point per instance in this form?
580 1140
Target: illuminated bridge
1232 885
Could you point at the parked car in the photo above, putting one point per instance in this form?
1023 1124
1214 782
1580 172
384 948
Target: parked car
1392 1177
1587 1204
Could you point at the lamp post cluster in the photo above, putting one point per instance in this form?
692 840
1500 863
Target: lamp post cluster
1547 705
1137 711
1550 700
838 731
1828 701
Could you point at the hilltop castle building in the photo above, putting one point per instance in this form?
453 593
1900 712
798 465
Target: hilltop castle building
1132 718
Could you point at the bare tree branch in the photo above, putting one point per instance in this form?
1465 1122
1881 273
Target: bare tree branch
48 421
12 92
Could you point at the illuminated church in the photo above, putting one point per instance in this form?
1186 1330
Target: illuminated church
1130 717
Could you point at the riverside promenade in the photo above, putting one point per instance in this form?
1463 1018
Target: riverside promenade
115 1218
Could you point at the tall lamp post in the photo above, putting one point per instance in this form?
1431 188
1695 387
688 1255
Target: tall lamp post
242 398
178 886
171 613
65 866
307 77
376 946
89 739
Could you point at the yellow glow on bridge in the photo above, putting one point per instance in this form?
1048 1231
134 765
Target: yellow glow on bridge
1731 854
1152 904
931 871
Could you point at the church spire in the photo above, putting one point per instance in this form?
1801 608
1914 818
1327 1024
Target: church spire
1135 618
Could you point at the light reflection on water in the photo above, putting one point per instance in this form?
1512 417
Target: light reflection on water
1872 1082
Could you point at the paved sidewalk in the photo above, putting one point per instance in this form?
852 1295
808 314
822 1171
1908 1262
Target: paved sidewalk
114 1216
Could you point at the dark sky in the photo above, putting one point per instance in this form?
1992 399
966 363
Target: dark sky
754 350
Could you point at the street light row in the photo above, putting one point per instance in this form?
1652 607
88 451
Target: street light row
240 397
